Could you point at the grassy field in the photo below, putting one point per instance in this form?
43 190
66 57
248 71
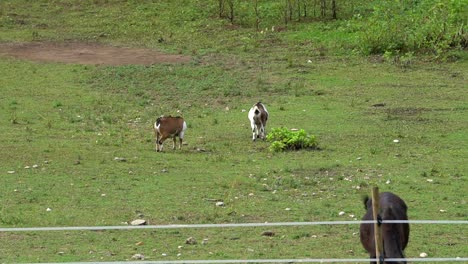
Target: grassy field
63 125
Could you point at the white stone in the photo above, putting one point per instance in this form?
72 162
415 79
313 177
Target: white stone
219 204
138 222
120 159
423 255
341 213
396 141
48 209
190 241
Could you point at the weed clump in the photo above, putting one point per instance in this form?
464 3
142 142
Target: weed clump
283 139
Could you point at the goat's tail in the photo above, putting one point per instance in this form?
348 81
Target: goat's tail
257 111
158 122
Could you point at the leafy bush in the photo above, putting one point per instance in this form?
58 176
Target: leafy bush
284 139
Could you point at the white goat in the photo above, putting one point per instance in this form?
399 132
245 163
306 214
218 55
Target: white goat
258 116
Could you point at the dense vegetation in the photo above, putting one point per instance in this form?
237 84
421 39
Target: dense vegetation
382 87
400 27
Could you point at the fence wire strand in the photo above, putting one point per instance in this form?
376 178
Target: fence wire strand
224 261
123 227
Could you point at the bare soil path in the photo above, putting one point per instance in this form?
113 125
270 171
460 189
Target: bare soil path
86 53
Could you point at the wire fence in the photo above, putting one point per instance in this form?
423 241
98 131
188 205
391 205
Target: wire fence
233 225
126 227
367 260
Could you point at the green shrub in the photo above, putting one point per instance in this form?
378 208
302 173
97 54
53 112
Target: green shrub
283 139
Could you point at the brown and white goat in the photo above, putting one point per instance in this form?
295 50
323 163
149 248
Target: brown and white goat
258 116
169 126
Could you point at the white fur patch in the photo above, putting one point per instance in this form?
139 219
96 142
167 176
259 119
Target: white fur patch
156 126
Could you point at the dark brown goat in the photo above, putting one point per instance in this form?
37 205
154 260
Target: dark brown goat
395 235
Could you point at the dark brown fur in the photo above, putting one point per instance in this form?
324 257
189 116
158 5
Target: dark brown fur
168 126
395 236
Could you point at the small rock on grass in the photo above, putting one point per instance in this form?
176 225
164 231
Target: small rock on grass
120 159
138 256
138 222
268 233
190 241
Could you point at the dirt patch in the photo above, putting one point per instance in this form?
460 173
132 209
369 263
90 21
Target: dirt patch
85 53
405 111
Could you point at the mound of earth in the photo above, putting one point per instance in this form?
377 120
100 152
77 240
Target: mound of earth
86 53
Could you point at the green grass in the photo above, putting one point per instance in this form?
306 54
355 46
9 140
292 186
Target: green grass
73 120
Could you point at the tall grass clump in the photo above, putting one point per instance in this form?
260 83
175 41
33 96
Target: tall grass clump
283 139
404 26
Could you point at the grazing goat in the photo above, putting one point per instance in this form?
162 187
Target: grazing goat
168 126
258 116
395 235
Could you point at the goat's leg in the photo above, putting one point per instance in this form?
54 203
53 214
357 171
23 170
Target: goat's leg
157 140
161 141
262 132
174 142
252 124
181 138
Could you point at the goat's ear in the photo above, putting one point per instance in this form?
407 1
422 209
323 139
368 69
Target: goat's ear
365 199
